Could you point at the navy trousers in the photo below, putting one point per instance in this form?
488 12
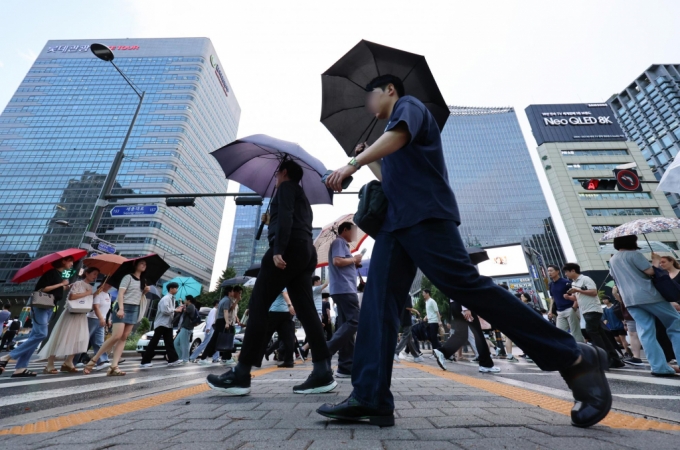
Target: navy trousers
435 246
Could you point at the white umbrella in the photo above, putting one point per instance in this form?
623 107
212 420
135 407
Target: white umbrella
250 283
670 181
329 233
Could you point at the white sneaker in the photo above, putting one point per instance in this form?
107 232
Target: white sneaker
405 357
396 358
179 362
342 375
512 359
101 366
204 362
418 359
80 365
493 369
440 358
146 365
229 362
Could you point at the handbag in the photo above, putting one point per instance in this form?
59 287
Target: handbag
244 320
668 288
81 306
42 300
372 208
225 342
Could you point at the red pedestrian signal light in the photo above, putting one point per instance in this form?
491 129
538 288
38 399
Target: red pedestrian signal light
599 184
592 185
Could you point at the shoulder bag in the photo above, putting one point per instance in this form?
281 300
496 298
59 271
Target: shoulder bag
42 300
225 342
372 208
81 306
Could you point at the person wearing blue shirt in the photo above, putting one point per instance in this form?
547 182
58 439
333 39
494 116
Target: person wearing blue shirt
420 230
280 319
567 316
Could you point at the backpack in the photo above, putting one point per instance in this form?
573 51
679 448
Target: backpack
372 208
196 319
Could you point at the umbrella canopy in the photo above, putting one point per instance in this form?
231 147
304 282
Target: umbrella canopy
252 161
642 226
235 281
187 286
670 181
477 255
253 270
344 96
155 268
250 283
329 233
41 265
645 247
107 264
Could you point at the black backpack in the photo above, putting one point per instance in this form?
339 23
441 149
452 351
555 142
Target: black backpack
196 320
372 208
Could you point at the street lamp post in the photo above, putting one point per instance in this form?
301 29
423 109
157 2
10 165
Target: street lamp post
102 52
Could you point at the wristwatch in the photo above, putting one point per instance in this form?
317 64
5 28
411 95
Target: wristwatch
354 163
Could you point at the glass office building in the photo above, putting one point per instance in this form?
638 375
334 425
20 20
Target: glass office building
68 118
498 192
649 112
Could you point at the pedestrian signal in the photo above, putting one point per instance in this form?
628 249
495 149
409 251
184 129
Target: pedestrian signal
599 184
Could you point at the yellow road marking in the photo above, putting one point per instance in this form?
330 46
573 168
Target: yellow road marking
613 419
72 420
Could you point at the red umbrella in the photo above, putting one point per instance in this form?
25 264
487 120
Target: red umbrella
41 265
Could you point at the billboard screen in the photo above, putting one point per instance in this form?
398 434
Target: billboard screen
578 122
507 260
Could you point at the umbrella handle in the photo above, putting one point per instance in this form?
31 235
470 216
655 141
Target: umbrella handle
259 231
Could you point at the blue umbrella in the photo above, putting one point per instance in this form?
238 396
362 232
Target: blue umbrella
252 161
187 286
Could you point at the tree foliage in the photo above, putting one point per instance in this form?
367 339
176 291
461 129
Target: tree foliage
441 299
207 298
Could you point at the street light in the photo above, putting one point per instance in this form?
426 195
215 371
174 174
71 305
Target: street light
103 52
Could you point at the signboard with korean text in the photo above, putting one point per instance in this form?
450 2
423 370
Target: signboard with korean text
146 210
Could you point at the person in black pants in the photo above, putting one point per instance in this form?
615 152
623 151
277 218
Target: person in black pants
326 316
462 319
163 329
224 309
10 332
289 263
280 319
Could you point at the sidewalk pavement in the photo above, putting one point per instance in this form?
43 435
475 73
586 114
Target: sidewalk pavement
434 409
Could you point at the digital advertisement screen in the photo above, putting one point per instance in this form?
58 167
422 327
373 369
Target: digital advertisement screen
509 260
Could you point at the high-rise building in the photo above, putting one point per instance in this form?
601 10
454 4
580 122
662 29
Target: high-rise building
580 146
245 250
66 121
498 192
648 110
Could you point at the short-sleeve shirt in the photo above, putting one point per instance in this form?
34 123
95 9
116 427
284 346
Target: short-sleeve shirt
343 280
133 292
557 290
635 286
317 291
103 299
50 278
279 304
225 303
432 309
587 303
414 178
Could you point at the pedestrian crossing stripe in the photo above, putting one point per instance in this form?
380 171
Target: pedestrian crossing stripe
72 420
613 419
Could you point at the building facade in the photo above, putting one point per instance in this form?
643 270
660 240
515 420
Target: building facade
68 118
580 143
498 192
648 110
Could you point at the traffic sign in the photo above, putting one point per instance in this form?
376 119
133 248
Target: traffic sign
106 248
146 210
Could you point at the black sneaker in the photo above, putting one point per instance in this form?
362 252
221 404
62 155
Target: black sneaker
316 384
634 361
616 364
351 410
228 383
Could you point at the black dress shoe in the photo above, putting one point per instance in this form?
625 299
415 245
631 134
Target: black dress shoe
352 411
229 383
286 365
589 385
616 364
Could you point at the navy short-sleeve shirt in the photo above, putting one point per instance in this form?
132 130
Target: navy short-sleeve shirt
414 177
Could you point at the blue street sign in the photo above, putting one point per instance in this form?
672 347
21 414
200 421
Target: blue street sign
534 272
146 210
106 248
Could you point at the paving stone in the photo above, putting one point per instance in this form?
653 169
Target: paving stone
270 406
470 404
445 434
104 424
140 436
501 443
252 424
203 415
315 422
507 432
383 434
329 435
266 445
290 415
402 405
569 430
252 415
458 421
571 443
203 436
263 435
195 424
448 411
417 445
203 446
637 439
432 404
33 440
420 412
412 423
348 444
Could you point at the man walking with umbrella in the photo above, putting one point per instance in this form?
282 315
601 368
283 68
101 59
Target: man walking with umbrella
421 230
289 263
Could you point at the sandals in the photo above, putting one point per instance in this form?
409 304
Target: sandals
89 367
114 371
50 371
3 364
68 369
24 374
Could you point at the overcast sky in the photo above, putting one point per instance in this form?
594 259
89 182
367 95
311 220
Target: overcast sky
482 53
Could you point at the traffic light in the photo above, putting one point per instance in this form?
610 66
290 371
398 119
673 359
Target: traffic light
188 201
599 184
248 200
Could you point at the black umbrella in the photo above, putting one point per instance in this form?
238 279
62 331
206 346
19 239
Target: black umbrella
253 271
155 268
477 255
343 109
234 281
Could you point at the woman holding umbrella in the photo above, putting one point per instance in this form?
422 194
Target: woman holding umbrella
125 315
51 282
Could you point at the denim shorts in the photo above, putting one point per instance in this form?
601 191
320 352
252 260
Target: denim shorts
131 313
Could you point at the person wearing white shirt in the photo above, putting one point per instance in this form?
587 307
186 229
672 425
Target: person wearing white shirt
208 334
433 319
96 323
162 328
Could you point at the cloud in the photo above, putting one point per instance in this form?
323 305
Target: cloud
2 64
